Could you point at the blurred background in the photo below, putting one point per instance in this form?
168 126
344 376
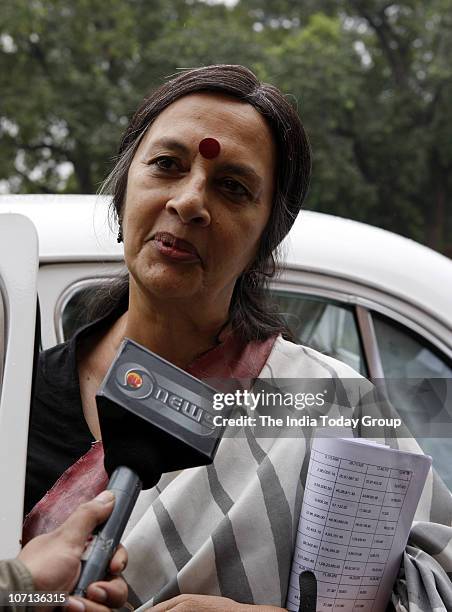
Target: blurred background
372 81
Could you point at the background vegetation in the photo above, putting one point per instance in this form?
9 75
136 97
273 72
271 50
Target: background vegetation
372 80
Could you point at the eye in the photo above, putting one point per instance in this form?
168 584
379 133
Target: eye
166 163
235 188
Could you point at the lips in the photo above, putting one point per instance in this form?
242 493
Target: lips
171 243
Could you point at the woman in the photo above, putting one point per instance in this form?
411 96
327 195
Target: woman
211 174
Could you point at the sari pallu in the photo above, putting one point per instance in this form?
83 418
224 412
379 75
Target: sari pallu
229 529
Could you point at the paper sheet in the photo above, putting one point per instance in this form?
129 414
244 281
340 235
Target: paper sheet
357 511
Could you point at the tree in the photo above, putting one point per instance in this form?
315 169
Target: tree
372 80
80 70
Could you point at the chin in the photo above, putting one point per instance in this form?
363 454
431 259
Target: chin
166 282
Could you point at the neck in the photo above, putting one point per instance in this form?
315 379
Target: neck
170 329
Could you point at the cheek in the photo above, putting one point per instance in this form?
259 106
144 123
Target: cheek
134 233
141 196
253 240
140 213
254 229
236 244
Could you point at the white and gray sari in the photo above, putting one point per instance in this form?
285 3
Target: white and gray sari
229 529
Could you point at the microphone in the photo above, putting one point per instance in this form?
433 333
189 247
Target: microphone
154 418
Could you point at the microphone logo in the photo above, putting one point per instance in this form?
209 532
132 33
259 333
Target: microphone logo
138 383
134 379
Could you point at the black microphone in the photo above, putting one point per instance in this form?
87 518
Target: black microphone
154 418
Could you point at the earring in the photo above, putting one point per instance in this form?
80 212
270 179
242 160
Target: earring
120 236
252 278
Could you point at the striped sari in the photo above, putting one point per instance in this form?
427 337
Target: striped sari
228 529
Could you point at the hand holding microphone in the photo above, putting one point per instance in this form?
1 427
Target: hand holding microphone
53 559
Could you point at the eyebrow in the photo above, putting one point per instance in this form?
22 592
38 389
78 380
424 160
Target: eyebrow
170 143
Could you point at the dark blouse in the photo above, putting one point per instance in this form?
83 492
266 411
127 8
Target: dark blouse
58 434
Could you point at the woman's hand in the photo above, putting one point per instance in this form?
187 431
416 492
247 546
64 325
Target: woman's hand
53 559
208 603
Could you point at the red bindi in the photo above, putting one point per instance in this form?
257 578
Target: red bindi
209 148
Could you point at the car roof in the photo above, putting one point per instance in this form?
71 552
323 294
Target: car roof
75 228
374 257
70 227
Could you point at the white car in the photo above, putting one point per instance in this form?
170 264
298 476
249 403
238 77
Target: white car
375 300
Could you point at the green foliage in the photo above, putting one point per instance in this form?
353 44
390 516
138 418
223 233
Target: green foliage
372 81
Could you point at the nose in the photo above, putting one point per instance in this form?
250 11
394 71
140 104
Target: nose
189 203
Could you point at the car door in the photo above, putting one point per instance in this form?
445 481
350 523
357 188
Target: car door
18 291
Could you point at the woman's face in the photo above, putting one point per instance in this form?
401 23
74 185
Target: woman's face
191 224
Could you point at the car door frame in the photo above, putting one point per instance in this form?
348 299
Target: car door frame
365 299
19 261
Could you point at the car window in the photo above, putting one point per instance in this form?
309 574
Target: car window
324 325
74 313
418 382
405 354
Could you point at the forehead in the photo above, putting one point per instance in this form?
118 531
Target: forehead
238 126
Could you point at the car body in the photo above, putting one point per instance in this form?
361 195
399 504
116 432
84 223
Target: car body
328 258
378 301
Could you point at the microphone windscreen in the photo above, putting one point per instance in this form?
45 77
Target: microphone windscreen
144 448
136 456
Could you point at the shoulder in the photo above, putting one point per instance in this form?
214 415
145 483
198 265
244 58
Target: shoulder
55 366
58 364
289 360
55 386
53 354
294 366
